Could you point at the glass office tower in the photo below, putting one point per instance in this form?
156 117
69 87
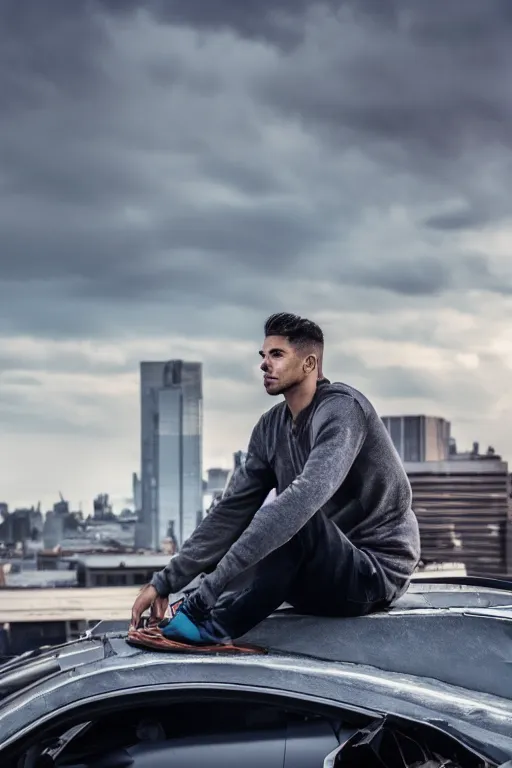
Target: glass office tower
171 450
419 438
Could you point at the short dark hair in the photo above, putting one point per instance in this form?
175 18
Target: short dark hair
297 330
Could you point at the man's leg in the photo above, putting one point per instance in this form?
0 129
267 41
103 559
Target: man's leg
336 578
265 588
318 571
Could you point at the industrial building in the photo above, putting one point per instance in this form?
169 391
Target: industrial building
122 570
464 512
419 438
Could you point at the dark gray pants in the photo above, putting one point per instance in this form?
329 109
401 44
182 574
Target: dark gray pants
319 572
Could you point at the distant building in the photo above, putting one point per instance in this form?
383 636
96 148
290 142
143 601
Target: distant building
239 458
136 492
124 570
23 579
419 438
171 450
217 479
473 454
53 530
102 508
464 513
61 507
21 525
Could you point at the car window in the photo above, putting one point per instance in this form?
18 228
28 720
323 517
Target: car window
189 734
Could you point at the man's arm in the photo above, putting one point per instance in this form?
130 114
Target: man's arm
339 428
223 525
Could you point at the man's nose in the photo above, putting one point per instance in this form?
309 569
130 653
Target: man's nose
264 366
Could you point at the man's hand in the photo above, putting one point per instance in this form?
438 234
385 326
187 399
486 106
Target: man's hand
148 598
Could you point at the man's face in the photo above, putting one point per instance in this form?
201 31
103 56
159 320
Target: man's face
282 365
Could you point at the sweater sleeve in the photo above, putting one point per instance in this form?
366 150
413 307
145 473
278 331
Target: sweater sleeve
339 430
216 533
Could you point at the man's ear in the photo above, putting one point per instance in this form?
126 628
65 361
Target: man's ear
310 363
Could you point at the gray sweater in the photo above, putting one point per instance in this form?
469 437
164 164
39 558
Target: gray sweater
336 457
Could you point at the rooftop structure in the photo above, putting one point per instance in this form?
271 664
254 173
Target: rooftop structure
53 605
419 438
464 513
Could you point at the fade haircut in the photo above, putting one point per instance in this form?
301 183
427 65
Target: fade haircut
299 332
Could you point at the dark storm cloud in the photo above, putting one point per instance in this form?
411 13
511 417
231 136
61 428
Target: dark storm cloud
43 45
419 277
99 234
121 311
282 21
435 85
173 172
423 275
458 220
277 21
261 237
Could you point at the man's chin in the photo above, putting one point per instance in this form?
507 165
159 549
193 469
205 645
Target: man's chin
273 390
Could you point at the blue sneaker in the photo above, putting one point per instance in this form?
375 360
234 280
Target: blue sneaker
184 628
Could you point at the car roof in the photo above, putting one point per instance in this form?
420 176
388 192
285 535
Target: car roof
446 637
458 633
444 629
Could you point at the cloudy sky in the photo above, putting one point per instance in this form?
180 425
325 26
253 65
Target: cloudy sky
171 173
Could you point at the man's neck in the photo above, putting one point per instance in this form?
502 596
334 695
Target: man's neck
298 398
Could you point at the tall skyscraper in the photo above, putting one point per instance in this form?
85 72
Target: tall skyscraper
419 438
171 449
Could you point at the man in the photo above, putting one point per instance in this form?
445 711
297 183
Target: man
339 538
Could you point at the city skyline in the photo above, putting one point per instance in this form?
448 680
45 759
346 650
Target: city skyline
169 179
121 495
